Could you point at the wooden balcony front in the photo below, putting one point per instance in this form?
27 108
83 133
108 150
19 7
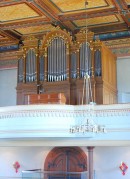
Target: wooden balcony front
52 98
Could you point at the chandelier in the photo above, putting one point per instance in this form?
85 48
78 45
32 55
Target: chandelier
90 125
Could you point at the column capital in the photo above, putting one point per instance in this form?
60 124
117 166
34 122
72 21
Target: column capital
90 148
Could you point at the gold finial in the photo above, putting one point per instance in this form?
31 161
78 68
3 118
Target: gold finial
86 2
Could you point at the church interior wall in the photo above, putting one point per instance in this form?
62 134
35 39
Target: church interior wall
8 82
106 160
123 79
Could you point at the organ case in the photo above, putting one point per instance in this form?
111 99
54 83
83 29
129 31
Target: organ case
57 64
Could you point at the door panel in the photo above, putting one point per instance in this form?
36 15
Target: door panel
67 161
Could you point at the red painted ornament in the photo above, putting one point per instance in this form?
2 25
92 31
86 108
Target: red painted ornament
123 167
16 165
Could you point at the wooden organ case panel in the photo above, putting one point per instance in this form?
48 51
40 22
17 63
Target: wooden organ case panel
106 82
58 65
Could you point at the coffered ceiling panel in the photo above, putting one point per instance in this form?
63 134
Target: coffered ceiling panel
127 1
77 5
97 21
18 18
16 12
35 29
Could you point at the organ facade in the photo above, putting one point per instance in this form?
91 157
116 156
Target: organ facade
58 63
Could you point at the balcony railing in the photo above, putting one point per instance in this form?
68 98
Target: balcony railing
38 174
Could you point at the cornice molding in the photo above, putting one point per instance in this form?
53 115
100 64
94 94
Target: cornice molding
64 111
10 55
54 121
118 43
8 60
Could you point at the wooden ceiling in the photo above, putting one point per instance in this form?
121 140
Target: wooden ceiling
108 19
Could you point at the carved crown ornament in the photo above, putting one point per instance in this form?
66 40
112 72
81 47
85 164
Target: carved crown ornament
30 41
84 35
56 33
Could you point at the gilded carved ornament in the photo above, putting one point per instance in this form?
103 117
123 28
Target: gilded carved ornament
91 48
20 53
97 45
56 33
84 35
30 41
74 48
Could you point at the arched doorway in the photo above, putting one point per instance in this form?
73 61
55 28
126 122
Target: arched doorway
66 163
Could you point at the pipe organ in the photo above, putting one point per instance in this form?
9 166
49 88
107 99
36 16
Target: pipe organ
57 64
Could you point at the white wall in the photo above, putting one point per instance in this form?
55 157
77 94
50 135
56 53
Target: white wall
28 157
106 160
8 82
123 79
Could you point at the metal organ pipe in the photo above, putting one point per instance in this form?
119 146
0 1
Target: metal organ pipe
60 58
62 69
51 62
85 60
54 60
30 65
89 61
20 70
64 62
65 59
48 74
73 65
57 60
41 68
98 63
33 53
81 62
34 64
27 67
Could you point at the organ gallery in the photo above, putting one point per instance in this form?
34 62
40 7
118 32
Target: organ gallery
52 68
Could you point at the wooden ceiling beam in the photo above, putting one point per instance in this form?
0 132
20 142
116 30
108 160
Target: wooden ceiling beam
109 28
24 23
12 34
97 13
116 4
123 4
52 13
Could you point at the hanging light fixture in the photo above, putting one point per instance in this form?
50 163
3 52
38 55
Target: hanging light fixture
90 125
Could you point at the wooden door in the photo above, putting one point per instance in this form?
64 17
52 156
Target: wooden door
65 163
